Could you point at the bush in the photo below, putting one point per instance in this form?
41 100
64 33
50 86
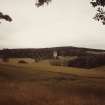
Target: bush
22 61
88 61
59 62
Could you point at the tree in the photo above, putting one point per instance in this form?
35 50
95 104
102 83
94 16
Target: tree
98 4
100 10
38 4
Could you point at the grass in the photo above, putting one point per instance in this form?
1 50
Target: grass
43 84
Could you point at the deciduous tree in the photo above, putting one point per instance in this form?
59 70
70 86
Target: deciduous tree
98 4
38 3
100 10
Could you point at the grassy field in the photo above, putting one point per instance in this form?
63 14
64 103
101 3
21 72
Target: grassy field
43 84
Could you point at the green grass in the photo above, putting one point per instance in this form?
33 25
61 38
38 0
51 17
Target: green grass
43 84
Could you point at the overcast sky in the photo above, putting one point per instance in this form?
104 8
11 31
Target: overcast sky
62 23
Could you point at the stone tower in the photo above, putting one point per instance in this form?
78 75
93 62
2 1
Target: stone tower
55 54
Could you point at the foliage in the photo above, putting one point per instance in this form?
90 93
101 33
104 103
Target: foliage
88 61
98 4
22 61
42 2
100 14
56 62
38 4
59 62
5 17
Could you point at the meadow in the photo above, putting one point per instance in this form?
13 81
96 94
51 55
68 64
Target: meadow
43 84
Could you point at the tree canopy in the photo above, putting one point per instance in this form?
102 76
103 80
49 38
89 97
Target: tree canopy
100 10
42 2
38 3
98 4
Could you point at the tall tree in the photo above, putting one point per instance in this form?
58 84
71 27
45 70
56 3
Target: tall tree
100 10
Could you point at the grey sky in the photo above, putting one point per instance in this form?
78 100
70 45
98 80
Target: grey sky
61 23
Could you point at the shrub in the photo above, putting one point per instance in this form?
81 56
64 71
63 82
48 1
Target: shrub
22 61
58 62
88 61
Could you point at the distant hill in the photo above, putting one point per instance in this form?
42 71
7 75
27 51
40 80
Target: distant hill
85 57
48 52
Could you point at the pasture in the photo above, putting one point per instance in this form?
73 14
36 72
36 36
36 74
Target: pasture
43 84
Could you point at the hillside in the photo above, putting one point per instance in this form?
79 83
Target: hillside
85 57
47 52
